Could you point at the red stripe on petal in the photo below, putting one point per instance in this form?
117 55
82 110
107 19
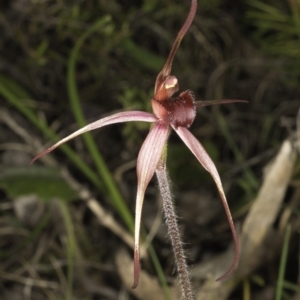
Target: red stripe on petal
147 162
197 149
125 116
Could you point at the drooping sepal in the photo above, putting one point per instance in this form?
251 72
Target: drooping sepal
148 159
197 149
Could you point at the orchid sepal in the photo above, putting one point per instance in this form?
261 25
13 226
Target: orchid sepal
149 157
200 153
166 70
203 103
120 117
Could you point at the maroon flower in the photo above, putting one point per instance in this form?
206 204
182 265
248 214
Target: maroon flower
178 113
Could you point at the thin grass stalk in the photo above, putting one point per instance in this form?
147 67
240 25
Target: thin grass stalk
294 287
283 262
15 100
159 272
91 145
249 175
71 247
246 289
173 231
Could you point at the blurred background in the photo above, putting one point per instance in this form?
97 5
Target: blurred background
66 221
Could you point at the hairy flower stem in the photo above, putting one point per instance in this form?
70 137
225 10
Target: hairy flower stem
173 231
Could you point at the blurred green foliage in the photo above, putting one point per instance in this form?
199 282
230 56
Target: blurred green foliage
277 32
43 182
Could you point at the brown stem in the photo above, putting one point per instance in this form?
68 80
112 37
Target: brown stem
173 231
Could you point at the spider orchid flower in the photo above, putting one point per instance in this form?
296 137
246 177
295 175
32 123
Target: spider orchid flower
168 112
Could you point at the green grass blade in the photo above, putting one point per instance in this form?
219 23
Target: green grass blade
160 272
103 171
143 57
34 234
71 247
249 176
246 289
282 266
291 286
43 127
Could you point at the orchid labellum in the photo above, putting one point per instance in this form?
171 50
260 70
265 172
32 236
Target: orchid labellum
169 111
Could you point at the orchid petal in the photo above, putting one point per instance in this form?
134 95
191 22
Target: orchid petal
149 156
126 116
197 149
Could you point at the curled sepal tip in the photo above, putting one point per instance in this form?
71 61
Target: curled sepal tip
197 149
166 70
